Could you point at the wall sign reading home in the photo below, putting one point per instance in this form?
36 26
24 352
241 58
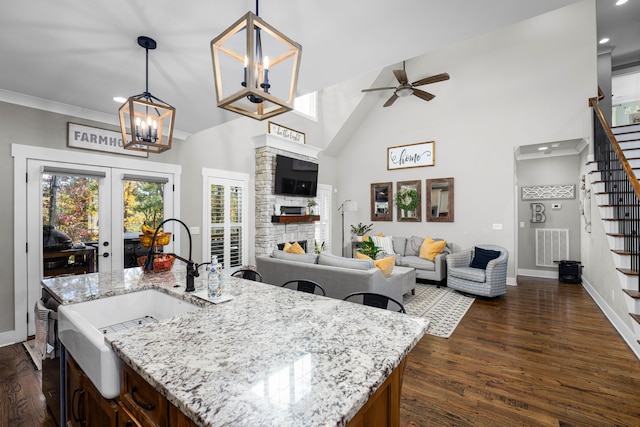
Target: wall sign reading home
411 156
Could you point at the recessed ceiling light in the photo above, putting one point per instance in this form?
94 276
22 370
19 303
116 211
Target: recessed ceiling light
619 2
119 99
604 40
543 148
555 145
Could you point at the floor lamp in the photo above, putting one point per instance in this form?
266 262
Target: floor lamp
347 206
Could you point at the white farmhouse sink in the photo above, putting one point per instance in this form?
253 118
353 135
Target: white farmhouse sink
81 329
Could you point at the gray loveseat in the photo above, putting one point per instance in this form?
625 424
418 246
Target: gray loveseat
337 275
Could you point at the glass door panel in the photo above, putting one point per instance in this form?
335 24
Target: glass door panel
70 223
143 204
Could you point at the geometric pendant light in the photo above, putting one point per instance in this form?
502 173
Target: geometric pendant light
148 119
255 68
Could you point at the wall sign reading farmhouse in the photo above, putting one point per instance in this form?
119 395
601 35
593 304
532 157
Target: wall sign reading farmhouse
411 156
97 139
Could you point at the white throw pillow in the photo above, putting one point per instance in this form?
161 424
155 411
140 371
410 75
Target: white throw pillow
385 243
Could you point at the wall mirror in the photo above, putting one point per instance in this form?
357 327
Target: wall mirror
440 200
381 199
408 201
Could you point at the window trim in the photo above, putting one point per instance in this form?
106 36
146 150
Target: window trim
242 179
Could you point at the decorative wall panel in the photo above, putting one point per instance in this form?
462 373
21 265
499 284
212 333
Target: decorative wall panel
546 192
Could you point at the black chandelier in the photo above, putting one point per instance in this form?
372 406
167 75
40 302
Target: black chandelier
148 119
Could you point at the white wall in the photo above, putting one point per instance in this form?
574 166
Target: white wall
520 85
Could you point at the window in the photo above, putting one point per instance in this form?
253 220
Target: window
225 217
307 105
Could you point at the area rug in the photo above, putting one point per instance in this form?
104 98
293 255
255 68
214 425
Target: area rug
443 306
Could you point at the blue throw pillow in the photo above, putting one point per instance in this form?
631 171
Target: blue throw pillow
482 257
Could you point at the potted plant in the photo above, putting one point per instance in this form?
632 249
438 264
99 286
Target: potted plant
369 249
311 203
407 200
320 248
360 230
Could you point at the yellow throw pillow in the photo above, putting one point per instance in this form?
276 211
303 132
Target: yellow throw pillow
430 248
293 249
380 235
386 265
365 238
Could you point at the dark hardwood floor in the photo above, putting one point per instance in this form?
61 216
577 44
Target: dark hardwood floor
21 400
543 355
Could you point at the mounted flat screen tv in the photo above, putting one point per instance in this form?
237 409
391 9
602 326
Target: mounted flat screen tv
295 177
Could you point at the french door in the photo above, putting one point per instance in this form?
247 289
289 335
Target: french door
85 219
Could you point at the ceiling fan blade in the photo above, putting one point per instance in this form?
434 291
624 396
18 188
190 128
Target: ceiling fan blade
377 88
423 95
391 100
401 76
432 79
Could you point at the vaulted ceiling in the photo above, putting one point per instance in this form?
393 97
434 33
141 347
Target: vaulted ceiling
75 56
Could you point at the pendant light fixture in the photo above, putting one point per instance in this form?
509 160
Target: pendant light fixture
257 66
148 119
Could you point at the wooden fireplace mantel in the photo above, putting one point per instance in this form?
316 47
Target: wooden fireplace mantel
287 219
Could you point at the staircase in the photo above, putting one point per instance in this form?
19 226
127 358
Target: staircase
615 185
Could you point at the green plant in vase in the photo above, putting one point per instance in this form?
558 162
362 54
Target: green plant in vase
369 249
311 203
361 229
320 248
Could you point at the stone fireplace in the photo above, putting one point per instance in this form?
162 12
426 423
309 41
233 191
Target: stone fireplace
268 233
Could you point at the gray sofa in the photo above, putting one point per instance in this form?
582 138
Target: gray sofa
337 275
407 251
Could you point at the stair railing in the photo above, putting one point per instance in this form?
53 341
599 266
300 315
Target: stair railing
620 183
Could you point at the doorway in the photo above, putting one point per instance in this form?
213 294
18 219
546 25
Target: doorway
83 213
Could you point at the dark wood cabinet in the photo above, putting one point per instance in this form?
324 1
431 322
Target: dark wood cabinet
100 412
126 418
143 401
85 405
76 402
139 405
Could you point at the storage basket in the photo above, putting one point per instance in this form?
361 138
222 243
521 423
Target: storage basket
161 239
160 263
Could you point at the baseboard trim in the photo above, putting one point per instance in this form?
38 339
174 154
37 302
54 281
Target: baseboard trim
625 332
538 273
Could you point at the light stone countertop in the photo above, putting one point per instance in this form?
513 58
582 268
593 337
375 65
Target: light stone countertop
268 357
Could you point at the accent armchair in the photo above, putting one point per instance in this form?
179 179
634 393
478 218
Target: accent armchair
464 276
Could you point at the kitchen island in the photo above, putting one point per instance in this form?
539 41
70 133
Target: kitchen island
268 357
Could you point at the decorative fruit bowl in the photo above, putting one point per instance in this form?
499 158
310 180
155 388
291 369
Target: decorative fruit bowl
160 263
161 239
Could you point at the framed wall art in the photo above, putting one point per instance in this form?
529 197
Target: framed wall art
382 201
411 156
408 201
440 200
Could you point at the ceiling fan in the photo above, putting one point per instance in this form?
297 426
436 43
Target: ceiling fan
406 89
